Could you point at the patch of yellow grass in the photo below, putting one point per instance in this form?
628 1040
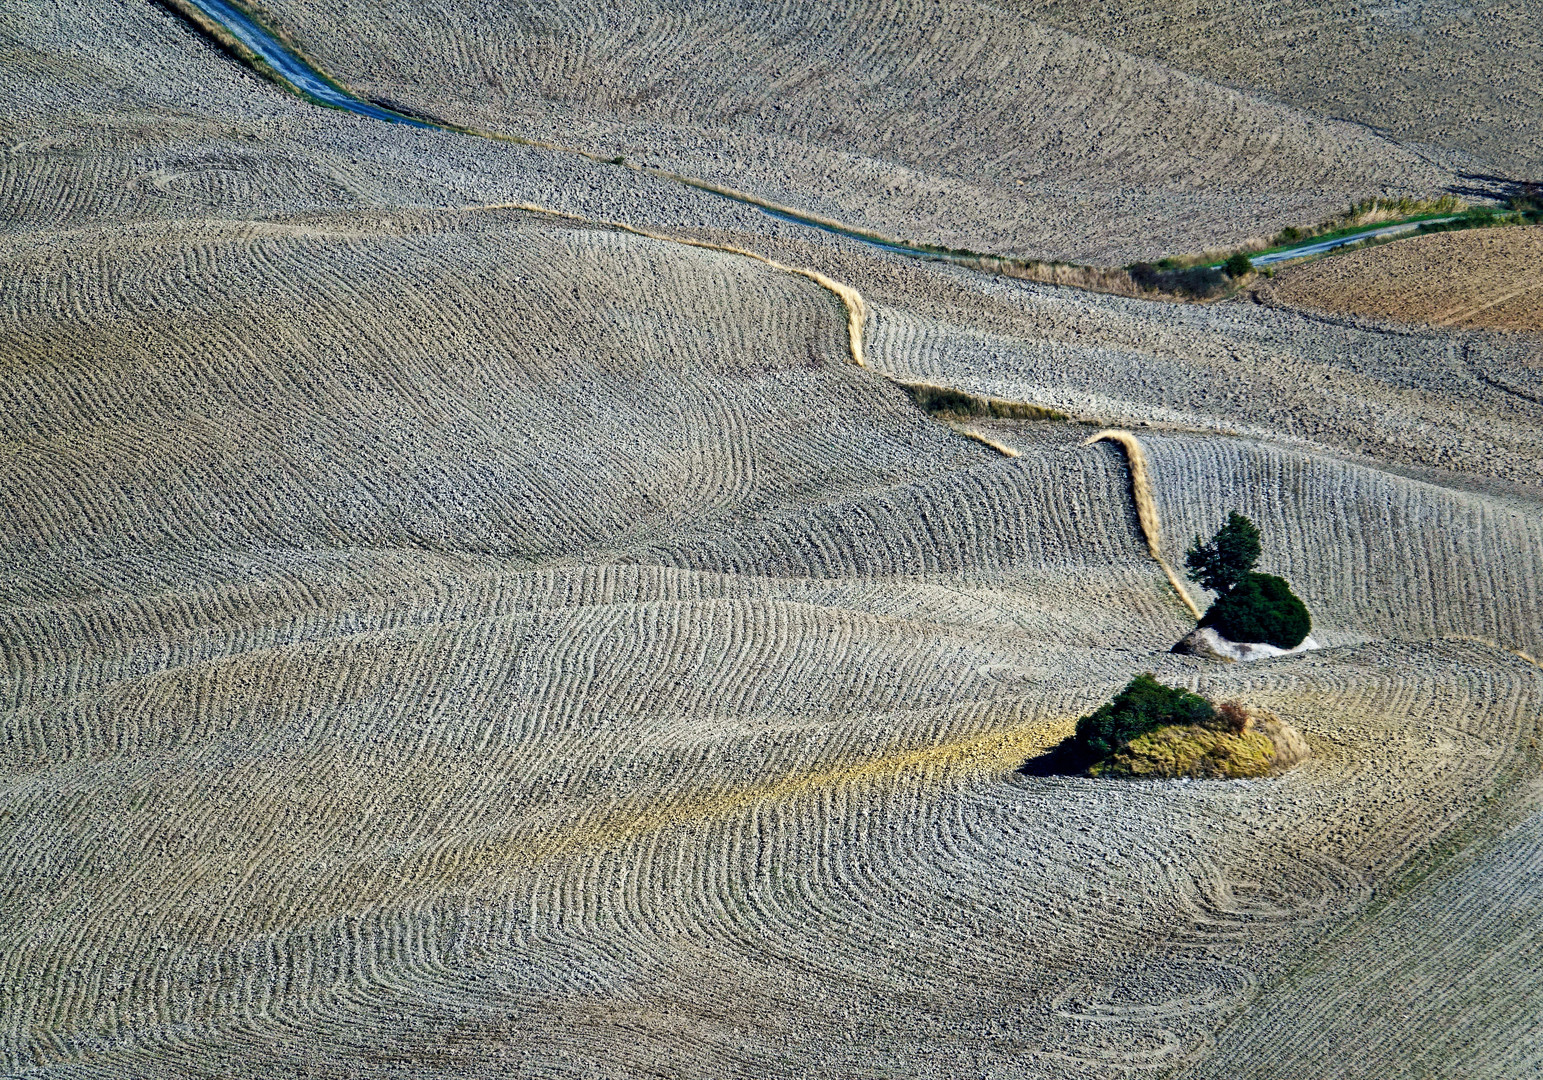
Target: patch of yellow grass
984 440
959 759
1191 750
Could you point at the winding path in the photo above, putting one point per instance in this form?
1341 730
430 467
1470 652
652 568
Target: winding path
266 52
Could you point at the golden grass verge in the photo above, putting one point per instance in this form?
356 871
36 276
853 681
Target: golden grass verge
985 440
971 755
1146 506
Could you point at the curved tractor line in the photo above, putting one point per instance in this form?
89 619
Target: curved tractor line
1146 506
954 760
851 299
242 35
239 33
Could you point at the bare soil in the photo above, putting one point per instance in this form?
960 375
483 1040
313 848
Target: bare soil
1460 80
1478 278
951 123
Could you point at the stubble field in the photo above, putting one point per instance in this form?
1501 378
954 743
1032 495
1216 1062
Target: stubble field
441 639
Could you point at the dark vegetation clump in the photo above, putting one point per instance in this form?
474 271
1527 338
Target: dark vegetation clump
1152 731
1238 265
947 403
1527 203
1261 607
1199 282
1144 705
1525 208
1231 553
1250 607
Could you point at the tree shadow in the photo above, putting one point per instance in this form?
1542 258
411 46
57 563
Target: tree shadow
1063 759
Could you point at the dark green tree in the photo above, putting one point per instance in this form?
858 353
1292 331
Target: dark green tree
1232 553
1143 705
1237 266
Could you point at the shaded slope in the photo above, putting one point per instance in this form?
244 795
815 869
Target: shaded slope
1462 79
955 124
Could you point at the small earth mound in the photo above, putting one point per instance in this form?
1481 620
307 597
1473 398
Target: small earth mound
1151 731
1240 742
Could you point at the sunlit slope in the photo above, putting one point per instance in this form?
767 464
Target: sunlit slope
1376 554
1465 403
120 117
1378 1001
1461 79
952 123
460 393
349 727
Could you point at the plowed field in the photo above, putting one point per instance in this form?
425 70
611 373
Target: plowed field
1452 77
1484 278
444 639
958 124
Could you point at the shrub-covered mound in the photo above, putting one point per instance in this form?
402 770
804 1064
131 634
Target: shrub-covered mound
1149 730
1261 607
1237 743
1144 705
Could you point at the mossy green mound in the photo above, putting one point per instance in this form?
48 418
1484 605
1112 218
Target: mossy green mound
1143 705
1235 743
1149 730
1194 750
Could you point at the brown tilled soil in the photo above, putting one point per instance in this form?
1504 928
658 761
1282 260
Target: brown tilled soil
1480 278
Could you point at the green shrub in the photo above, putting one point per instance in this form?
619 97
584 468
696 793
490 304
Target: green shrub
1144 704
1199 282
1231 554
1238 265
1261 607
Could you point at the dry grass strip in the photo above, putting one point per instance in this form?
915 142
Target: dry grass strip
1146 507
850 298
957 759
985 440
